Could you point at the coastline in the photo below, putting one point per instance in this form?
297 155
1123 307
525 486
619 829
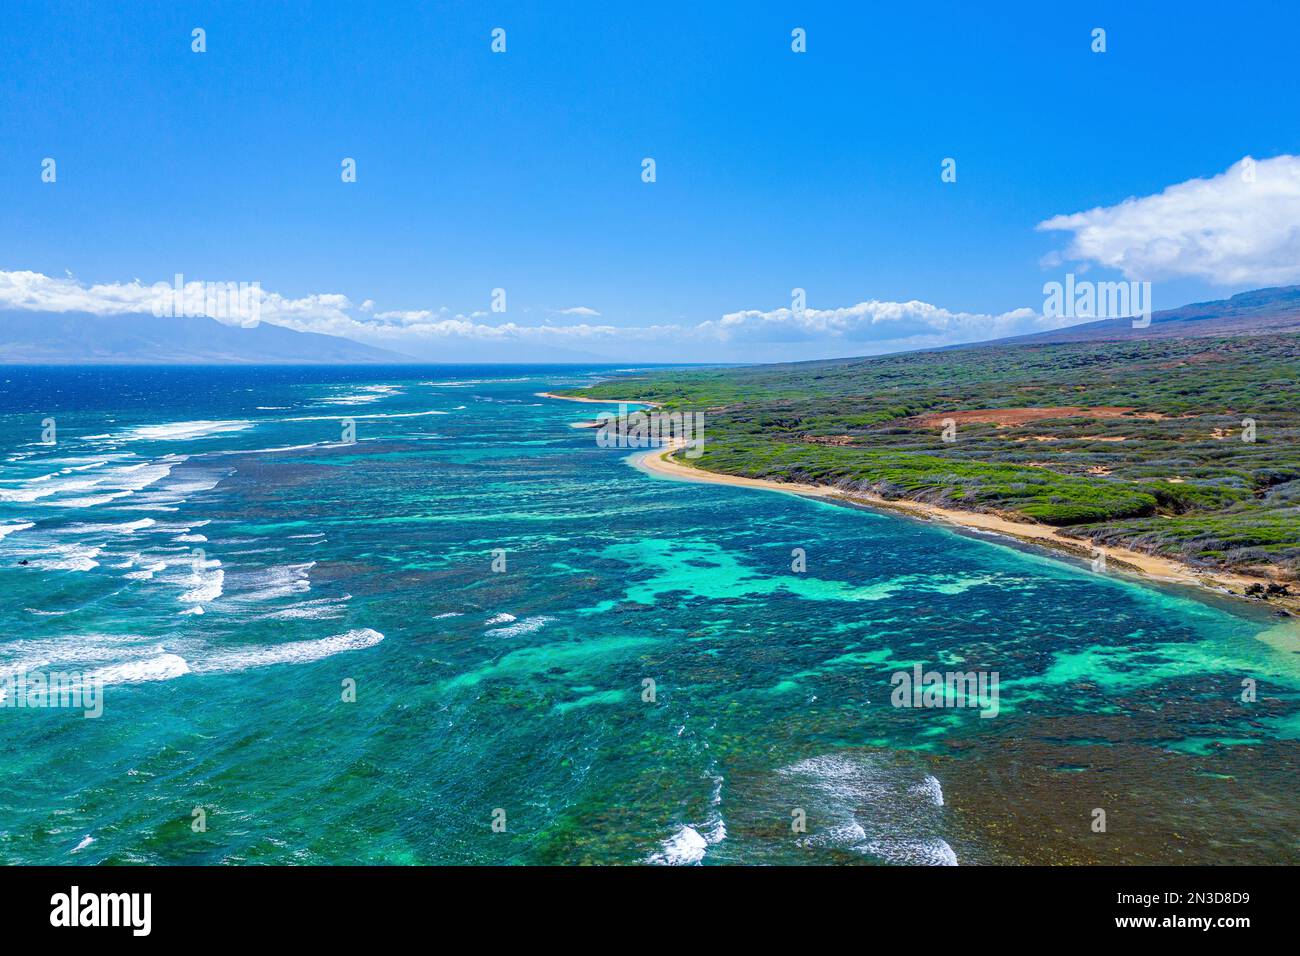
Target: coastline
1151 567
598 401
658 461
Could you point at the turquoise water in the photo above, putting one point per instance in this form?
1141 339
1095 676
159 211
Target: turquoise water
479 691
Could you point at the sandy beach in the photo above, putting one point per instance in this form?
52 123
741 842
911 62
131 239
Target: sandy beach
658 461
598 401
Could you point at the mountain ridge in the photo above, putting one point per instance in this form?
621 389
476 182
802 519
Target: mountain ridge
80 338
1257 311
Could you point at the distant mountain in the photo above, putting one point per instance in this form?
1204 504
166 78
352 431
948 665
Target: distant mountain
77 338
1262 310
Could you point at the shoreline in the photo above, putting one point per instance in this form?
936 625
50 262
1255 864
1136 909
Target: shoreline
1227 584
1147 566
597 401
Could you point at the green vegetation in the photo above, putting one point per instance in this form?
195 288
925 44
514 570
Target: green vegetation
1172 475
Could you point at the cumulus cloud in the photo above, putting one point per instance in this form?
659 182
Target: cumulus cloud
914 323
36 292
865 328
581 310
404 318
1241 227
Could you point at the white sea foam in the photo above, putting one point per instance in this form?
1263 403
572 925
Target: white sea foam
297 652
86 464
527 626
73 465
193 486
716 830
271 583
363 395
871 803
164 527
35 479
69 557
142 474
439 617
43 486
14 528
161 667
686 847
145 573
465 382
131 659
374 415
502 618
931 789
271 451
109 485
319 609
932 852
183 431
129 527
205 585
89 501
76 652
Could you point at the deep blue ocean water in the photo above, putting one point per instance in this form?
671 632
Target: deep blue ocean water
203 543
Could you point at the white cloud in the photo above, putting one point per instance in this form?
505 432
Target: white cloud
749 335
412 315
309 310
1241 227
914 324
35 292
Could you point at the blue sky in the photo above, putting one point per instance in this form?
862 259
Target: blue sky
522 170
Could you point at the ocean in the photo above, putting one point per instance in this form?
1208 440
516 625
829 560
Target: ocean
473 636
